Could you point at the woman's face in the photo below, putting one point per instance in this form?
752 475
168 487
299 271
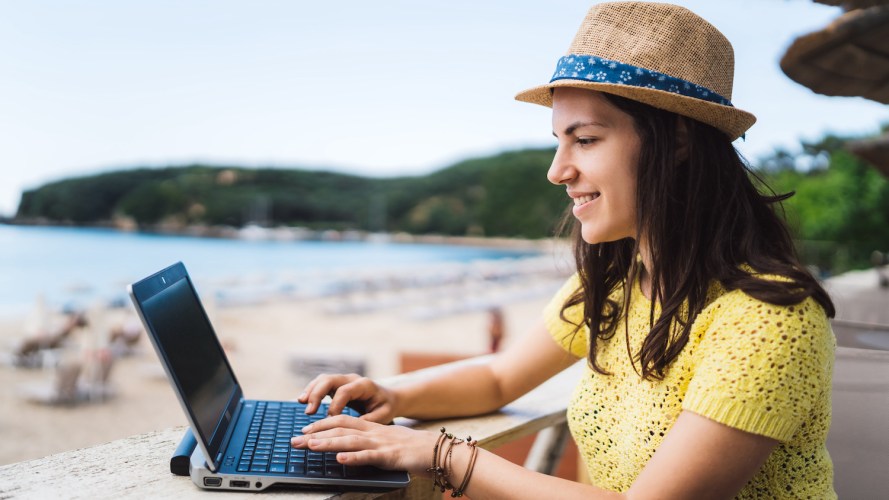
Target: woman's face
596 160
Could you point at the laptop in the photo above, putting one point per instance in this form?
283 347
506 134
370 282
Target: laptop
243 444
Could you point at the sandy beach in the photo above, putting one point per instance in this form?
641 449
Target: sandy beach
271 343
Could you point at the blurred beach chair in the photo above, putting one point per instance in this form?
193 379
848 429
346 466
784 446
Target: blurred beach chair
42 348
75 382
124 337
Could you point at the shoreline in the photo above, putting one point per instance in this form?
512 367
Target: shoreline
299 233
327 266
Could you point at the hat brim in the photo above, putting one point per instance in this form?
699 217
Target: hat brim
733 121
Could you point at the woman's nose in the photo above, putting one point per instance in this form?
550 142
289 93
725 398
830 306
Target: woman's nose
561 170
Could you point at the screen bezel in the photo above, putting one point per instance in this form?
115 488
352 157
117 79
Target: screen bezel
151 287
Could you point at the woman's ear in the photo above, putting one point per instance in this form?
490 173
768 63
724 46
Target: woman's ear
681 140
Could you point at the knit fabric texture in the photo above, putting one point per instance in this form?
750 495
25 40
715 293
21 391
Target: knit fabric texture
748 364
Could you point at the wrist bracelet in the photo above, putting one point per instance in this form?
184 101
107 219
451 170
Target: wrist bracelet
442 461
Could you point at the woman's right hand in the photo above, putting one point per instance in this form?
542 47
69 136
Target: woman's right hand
379 402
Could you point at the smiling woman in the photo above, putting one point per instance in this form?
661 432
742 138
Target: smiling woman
596 160
700 329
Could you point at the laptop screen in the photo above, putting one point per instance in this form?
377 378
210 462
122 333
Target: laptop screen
193 355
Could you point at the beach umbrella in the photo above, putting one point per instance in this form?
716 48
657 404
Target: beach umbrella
853 4
849 57
874 151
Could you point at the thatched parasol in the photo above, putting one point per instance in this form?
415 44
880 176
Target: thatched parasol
853 4
850 57
874 151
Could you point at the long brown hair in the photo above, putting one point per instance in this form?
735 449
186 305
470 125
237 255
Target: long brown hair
704 219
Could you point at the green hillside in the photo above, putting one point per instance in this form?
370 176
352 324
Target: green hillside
839 214
501 195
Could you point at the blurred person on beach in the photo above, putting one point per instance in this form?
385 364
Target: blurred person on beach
495 328
707 346
81 361
124 335
30 349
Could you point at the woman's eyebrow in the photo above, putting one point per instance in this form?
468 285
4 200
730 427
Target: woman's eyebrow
576 125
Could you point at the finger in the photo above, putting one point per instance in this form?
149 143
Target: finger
358 389
325 384
302 441
380 415
345 442
338 421
304 396
336 439
360 457
307 391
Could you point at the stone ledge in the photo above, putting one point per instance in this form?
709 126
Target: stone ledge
138 466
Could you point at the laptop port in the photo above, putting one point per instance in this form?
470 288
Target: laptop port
213 481
239 484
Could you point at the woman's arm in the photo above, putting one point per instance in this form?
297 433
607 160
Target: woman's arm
462 391
699 458
479 389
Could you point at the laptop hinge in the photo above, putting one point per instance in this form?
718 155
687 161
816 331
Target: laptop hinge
228 432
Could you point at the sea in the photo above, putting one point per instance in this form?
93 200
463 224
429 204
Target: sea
77 268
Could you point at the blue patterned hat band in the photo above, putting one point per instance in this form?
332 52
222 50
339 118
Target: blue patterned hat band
600 70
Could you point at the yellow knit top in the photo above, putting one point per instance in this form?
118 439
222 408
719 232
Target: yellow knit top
751 365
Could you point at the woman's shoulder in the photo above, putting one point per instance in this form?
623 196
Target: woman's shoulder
737 317
740 302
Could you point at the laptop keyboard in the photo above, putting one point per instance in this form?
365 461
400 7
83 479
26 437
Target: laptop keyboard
267 448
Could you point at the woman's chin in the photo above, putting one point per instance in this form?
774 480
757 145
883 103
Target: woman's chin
592 239
594 236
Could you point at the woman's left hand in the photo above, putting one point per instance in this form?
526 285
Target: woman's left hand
360 442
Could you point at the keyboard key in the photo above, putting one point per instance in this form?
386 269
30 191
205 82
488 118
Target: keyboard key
334 471
296 468
277 467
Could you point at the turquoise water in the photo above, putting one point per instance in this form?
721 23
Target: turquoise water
78 267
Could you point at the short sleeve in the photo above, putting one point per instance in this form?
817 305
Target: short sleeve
566 333
762 368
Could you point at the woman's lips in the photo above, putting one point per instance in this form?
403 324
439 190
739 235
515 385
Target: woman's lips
580 200
583 202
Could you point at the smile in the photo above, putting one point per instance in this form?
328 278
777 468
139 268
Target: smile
580 200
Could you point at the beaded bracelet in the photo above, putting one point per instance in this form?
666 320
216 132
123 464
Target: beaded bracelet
438 472
458 492
442 460
447 462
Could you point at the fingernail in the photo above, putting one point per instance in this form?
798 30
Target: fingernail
301 396
307 429
297 440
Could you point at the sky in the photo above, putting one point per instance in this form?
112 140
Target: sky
374 88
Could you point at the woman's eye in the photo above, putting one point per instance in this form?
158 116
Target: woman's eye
586 141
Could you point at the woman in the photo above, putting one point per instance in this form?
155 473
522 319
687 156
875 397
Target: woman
708 347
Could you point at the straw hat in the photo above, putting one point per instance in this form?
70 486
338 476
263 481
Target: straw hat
659 54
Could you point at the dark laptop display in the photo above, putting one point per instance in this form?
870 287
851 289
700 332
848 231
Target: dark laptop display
189 346
243 444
